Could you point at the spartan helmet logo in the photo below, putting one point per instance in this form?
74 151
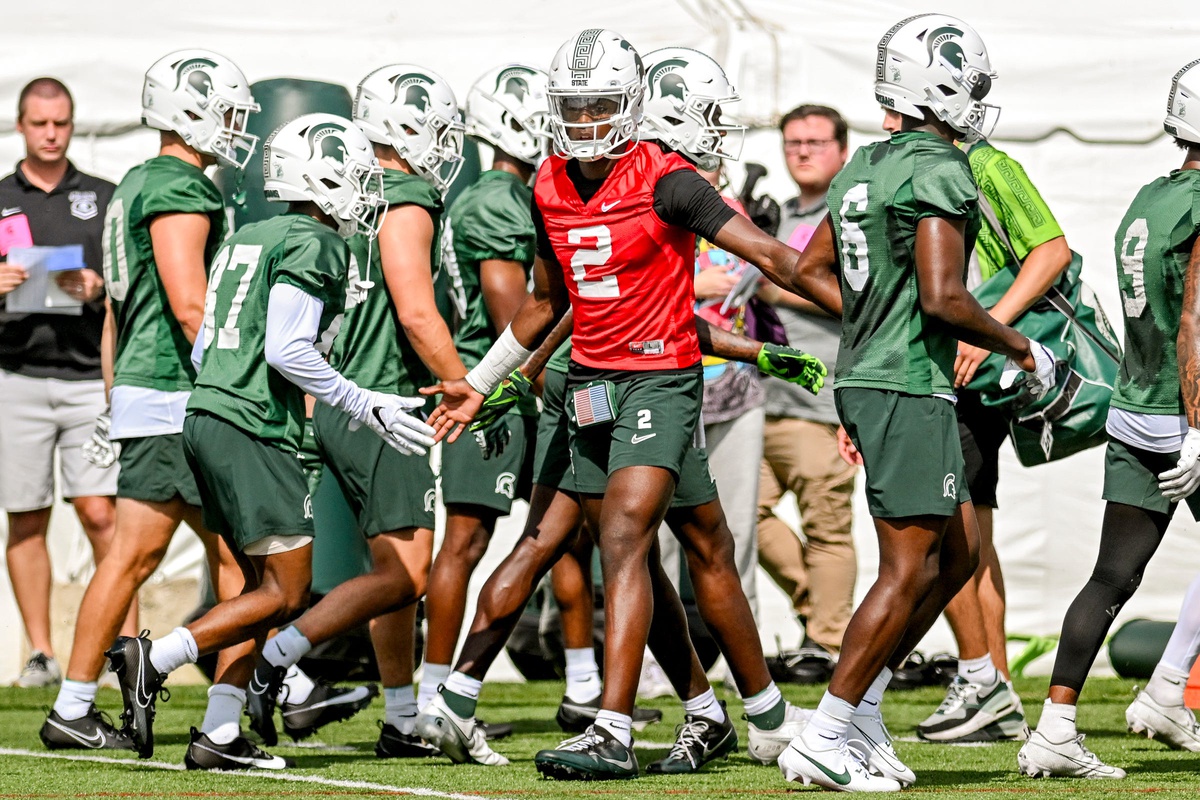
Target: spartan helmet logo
948 489
670 83
324 141
430 497
505 483
637 59
194 72
413 84
517 87
943 43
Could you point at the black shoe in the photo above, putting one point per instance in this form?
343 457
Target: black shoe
697 741
575 717
92 731
325 704
394 744
261 696
494 730
594 755
241 753
811 664
141 685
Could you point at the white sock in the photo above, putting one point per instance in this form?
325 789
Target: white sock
706 706
828 723
869 707
173 651
763 701
286 647
75 699
1058 722
222 719
980 671
433 676
400 707
464 685
583 675
299 686
619 725
1166 685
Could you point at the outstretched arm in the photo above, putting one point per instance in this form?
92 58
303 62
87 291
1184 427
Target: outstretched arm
1179 483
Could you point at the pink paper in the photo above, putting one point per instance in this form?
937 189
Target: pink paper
799 238
14 232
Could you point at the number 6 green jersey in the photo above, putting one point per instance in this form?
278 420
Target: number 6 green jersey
875 203
235 382
1153 245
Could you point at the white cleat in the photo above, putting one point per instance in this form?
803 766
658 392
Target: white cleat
837 768
1041 758
1174 726
462 740
869 737
766 745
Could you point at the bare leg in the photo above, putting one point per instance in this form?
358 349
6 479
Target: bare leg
29 571
668 629
393 637
468 531
572 580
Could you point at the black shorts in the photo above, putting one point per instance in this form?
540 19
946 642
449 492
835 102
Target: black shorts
982 429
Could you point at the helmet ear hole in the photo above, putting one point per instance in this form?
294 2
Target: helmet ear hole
329 184
945 90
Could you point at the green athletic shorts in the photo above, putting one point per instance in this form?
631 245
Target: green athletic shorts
910 448
249 489
656 419
552 456
155 470
386 490
470 479
696 485
1131 477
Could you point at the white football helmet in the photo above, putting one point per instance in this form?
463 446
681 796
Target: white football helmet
414 111
1178 123
326 159
937 62
596 72
205 99
686 94
507 109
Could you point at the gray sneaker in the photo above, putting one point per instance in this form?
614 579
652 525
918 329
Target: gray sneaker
968 708
40 670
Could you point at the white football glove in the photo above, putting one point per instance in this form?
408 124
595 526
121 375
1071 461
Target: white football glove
100 450
389 416
1179 483
1040 381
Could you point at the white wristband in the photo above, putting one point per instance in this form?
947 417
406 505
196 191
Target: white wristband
502 358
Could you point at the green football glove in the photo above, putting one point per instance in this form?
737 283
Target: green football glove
493 439
510 392
793 366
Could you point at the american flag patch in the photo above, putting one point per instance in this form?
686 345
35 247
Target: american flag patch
592 405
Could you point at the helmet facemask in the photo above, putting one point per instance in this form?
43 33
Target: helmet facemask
230 134
602 109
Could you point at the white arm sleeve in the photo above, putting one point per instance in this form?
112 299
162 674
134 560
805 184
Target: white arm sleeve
501 358
293 320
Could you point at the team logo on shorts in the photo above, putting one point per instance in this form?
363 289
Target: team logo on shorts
505 482
83 205
430 497
948 486
308 506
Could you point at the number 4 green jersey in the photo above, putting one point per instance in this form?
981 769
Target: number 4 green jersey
875 203
1153 246
235 383
151 350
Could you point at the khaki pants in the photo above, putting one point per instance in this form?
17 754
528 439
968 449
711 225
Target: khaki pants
819 573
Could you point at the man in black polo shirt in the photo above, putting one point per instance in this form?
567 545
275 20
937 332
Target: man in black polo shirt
51 387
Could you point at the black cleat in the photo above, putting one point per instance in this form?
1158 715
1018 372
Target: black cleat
697 741
575 717
92 731
140 685
494 730
325 704
261 696
594 755
239 754
394 744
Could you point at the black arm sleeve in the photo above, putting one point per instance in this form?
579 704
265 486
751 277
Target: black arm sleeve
685 199
544 250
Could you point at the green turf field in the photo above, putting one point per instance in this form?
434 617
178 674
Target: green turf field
347 756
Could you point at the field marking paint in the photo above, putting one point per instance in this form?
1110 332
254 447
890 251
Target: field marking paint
271 776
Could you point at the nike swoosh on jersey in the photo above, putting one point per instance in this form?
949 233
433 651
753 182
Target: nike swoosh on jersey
609 206
639 439
841 779
10 211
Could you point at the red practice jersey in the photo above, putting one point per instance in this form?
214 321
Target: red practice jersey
628 272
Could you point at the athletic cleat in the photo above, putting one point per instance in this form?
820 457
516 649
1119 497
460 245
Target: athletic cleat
141 684
1041 758
968 707
594 755
241 753
697 741
766 745
92 731
1174 726
325 704
39 670
575 717
493 731
261 696
462 740
869 737
836 767
394 743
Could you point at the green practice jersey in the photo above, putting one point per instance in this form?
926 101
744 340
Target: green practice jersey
1019 206
151 350
560 359
875 203
1153 245
235 383
372 349
489 220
